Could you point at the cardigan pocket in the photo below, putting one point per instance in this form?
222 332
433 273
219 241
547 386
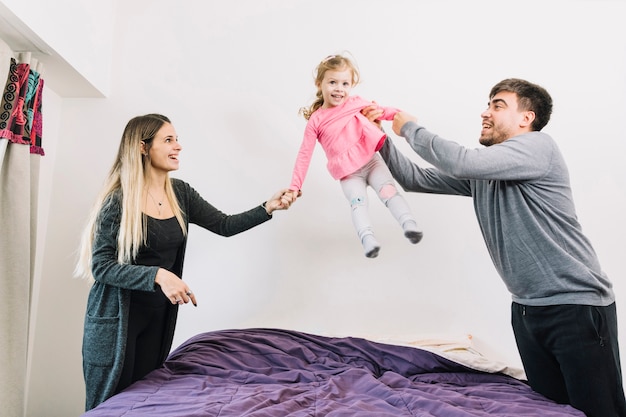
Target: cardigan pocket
100 340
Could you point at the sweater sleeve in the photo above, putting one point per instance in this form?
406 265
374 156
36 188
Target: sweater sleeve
105 266
359 103
417 179
523 157
388 113
205 215
303 160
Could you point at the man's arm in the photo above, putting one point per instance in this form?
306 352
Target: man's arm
424 180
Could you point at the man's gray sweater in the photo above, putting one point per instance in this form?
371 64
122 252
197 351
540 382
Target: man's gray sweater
524 206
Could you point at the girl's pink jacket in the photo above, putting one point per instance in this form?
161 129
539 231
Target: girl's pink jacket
347 137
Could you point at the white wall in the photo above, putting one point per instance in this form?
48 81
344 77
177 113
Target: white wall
232 75
75 30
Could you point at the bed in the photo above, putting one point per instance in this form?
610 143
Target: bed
275 372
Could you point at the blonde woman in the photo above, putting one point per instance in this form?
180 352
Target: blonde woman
134 247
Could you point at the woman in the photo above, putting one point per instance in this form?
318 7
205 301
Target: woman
133 248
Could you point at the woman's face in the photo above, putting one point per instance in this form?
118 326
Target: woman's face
165 149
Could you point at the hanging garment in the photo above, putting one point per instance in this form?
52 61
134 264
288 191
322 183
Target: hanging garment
20 108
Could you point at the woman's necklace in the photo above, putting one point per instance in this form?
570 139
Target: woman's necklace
158 204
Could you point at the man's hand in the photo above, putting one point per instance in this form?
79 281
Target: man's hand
373 113
400 119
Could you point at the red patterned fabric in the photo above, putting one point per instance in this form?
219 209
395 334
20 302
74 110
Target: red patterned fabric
20 108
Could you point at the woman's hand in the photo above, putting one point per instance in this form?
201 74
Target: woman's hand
174 288
281 200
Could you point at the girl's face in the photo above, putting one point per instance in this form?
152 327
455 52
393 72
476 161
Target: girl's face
165 149
336 87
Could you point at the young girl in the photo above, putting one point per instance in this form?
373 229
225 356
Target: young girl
351 143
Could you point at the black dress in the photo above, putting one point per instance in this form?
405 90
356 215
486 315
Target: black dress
148 309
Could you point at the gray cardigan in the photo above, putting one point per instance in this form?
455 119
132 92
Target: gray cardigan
524 206
106 319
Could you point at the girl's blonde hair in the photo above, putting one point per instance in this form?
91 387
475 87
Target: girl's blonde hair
128 176
332 63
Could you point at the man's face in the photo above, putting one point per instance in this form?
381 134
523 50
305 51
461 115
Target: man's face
502 119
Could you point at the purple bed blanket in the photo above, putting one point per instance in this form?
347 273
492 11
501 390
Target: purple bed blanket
276 373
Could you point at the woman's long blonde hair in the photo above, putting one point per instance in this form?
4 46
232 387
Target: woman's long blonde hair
128 175
332 63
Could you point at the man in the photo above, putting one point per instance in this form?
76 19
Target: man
563 312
